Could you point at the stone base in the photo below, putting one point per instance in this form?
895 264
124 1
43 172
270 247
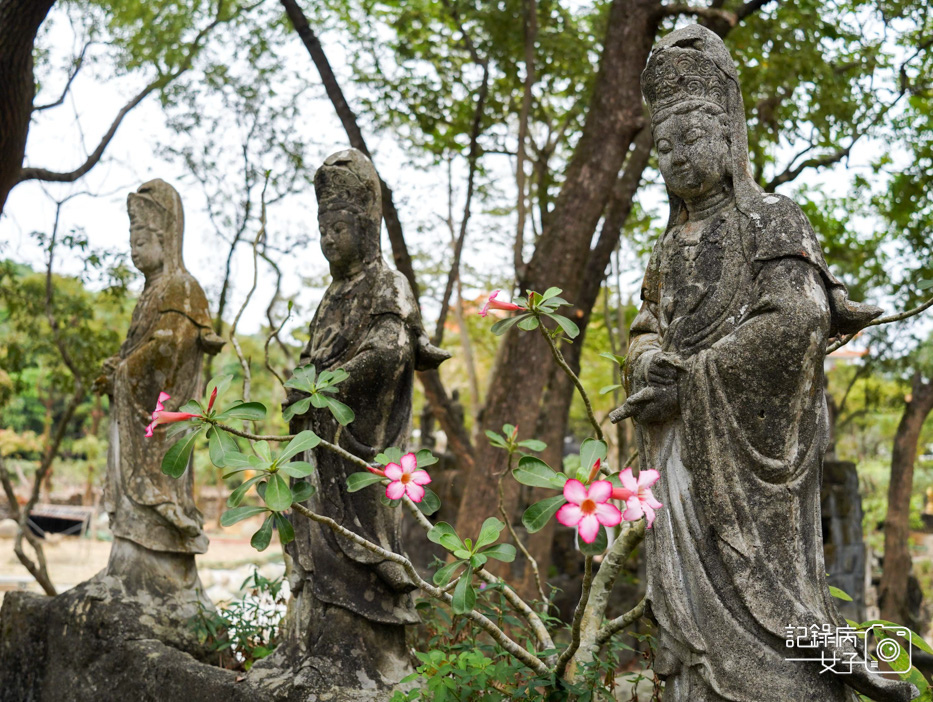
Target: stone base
90 645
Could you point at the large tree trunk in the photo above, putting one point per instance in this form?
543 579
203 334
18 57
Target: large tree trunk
560 259
19 23
893 596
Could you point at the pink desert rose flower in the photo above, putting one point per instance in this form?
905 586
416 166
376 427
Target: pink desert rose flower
493 304
587 509
405 479
160 416
637 495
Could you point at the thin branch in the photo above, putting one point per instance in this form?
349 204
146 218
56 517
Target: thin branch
78 64
518 542
842 341
158 84
568 652
529 659
275 334
559 358
619 623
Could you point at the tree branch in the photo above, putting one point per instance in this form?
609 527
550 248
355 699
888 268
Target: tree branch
78 64
842 341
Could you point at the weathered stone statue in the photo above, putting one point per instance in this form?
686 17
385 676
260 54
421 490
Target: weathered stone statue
350 607
725 377
155 523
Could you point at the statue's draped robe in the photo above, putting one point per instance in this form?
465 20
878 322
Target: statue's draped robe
162 352
735 555
369 326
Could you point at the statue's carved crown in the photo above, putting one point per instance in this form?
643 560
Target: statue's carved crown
676 75
347 182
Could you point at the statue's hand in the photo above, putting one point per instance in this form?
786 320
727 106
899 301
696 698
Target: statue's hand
653 405
663 367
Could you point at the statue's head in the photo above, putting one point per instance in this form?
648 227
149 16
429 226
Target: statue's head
156 225
349 210
692 90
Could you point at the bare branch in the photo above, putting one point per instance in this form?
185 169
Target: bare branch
78 64
568 652
619 623
157 84
791 173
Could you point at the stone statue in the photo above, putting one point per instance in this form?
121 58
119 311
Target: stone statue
725 376
350 606
155 523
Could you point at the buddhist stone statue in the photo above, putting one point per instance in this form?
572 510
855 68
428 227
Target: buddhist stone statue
156 525
350 607
725 377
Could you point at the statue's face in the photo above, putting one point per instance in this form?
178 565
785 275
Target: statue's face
693 153
145 246
340 239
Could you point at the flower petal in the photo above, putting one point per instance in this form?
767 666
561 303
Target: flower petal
394 491
409 462
420 477
150 428
394 471
608 515
647 478
589 528
647 498
163 396
574 491
621 494
569 515
628 480
210 404
633 510
649 514
415 492
600 491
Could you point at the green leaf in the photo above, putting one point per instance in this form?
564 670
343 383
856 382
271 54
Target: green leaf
278 495
461 553
501 552
181 427
318 401
175 461
192 406
238 460
619 360
341 412
528 323
263 537
286 531
536 516
925 284
839 594
477 560
605 389
495 439
263 451
534 472
489 532
568 327
549 293
532 445
357 481
390 455
220 446
503 325
236 497
599 545
296 409
302 491
464 597
443 575
303 378
590 451
238 514
425 458
243 410
430 503
297 469
445 535
304 441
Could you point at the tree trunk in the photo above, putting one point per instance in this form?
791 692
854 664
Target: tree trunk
560 259
19 23
893 591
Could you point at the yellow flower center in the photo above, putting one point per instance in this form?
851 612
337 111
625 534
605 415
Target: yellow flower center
406 478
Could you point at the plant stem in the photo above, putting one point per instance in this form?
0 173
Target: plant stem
559 357
615 625
518 542
842 341
577 619
529 659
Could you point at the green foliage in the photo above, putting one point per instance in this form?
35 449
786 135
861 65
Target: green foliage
247 628
320 389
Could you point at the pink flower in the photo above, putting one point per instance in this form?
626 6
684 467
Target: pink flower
588 508
493 304
405 479
160 416
637 495
210 403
